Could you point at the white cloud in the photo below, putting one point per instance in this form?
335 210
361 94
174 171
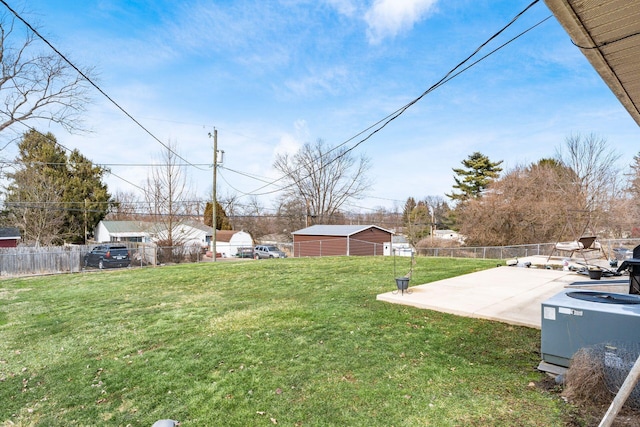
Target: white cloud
331 80
344 7
387 18
290 144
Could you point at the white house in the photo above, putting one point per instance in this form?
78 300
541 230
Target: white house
192 234
188 233
123 231
448 235
400 246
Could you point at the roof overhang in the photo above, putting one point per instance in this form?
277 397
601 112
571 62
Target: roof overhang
608 34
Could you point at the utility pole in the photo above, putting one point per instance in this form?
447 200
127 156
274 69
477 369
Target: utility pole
85 220
214 203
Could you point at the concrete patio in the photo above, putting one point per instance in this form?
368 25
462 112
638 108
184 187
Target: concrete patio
507 294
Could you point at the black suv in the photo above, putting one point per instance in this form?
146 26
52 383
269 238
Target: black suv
105 256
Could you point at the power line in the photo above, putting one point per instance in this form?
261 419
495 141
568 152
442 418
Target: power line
91 82
373 129
54 141
603 44
382 123
35 162
450 76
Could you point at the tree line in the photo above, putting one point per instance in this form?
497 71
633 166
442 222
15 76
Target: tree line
55 197
578 191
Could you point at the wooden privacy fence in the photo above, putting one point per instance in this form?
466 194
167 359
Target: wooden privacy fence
22 261
26 260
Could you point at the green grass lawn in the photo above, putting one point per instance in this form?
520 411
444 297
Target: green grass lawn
297 342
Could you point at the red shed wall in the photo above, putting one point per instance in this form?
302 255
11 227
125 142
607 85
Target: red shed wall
304 245
9 243
367 242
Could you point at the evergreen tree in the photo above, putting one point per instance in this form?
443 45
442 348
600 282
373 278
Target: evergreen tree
409 206
86 197
52 197
222 221
442 215
473 179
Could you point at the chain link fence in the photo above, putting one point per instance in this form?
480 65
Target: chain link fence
598 372
24 261
611 249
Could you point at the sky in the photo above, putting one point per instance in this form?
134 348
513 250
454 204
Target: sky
271 75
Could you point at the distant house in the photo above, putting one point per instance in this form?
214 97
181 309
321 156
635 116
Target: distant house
400 246
188 233
326 240
448 235
123 231
9 237
192 234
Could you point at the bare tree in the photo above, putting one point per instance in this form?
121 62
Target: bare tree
323 178
250 217
229 203
166 194
526 205
595 174
291 216
390 219
36 85
634 179
418 222
126 207
632 195
38 210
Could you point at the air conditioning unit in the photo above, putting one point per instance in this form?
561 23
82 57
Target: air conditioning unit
572 320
